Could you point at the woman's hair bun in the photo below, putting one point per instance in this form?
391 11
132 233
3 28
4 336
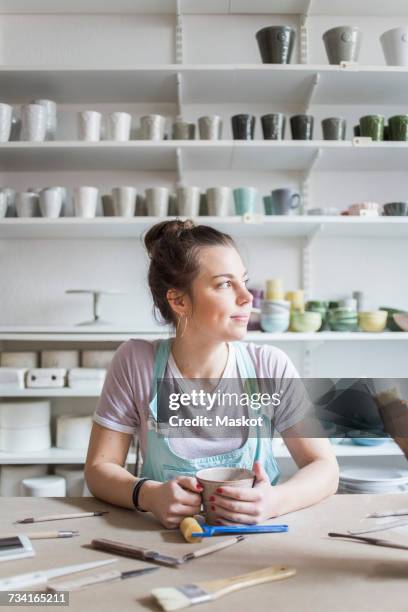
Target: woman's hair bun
170 230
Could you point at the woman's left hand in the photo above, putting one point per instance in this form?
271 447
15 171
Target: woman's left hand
249 506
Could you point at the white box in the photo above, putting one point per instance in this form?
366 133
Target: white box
86 378
60 359
45 378
29 439
73 432
12 378
97 359
21 414
19 359
12 475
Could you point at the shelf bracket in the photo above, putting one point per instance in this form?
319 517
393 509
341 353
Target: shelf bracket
312 91
179 86
180 169
179 35
308 349
303 46
305 183
306 267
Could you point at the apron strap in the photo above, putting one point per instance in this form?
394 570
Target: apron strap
160 362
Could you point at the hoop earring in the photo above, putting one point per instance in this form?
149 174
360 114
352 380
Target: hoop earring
178 325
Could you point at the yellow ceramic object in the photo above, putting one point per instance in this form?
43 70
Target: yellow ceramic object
296 298
305 322
274 289
373 321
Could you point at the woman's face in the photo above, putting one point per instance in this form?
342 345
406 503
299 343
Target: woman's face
221 303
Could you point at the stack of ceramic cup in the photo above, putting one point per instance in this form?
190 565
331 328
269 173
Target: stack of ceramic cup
275 311
342 316
373 480
320 306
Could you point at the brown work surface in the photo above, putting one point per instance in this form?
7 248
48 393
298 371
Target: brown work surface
335 575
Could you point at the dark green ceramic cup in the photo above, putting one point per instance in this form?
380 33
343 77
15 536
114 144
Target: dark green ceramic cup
372 126
398 126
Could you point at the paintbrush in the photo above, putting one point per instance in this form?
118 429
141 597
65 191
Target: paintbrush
58 517
175 598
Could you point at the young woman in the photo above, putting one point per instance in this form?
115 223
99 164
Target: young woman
198 283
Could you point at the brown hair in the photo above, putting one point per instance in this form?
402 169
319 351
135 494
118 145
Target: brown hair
173 248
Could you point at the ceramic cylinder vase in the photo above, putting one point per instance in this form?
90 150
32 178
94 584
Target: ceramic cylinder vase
51 119
89 125
218 200
157 201
210 127
334 128
118 126
183 131
398 127
395 46
33 122
276 44
51 202
85 201
273 126
188 201
372 126
152 127
124 201
6 116
27 204
302 127
245 200
243 127
342 44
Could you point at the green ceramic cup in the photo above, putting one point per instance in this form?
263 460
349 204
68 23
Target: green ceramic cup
268 205
372 126
398 126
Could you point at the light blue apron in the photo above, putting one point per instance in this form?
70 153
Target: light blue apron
161 463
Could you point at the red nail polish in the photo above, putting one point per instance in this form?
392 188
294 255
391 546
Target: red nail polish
218 491
199 487
213 508
212 498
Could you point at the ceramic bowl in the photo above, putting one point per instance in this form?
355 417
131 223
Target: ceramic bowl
401 319
374 321
396 209
306 321
275 306
391 323
364 438
342 319
275 323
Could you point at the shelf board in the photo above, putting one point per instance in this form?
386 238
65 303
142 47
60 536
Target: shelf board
262 226
207 7
50 334
51 393
59 456
257 155
206 83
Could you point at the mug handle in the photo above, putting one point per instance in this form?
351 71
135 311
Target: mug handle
295 197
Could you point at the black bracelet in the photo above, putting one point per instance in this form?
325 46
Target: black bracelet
136 491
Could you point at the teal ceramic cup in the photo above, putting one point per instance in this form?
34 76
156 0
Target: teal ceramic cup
268 206
245 200
398 127
372 126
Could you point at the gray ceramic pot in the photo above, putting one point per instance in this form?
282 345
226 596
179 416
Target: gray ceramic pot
342 44
334 128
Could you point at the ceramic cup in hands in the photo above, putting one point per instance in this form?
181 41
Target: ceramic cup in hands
51 202
85 201
213 478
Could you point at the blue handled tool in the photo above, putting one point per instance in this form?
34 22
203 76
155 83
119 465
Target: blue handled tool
210 530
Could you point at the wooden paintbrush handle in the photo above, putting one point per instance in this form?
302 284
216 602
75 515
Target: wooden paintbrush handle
222 587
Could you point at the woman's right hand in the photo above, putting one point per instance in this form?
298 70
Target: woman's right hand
171 501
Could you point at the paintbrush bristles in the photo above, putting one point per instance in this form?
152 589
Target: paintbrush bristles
171 598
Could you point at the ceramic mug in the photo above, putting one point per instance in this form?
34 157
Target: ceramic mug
152 127
85 201
118 126
107 205
11 200
3 205
268 206
372 126
342 44
157 201
6 116
188 201
183 131
218 199
51 120
33 122
302 127
124 201
284 201
210 127
89 125
51 202
27 204
243 127
276 44
395 46
273 126
245 200
213 478
398 127
334 128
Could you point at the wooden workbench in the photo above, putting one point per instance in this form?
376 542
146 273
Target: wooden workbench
332 574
